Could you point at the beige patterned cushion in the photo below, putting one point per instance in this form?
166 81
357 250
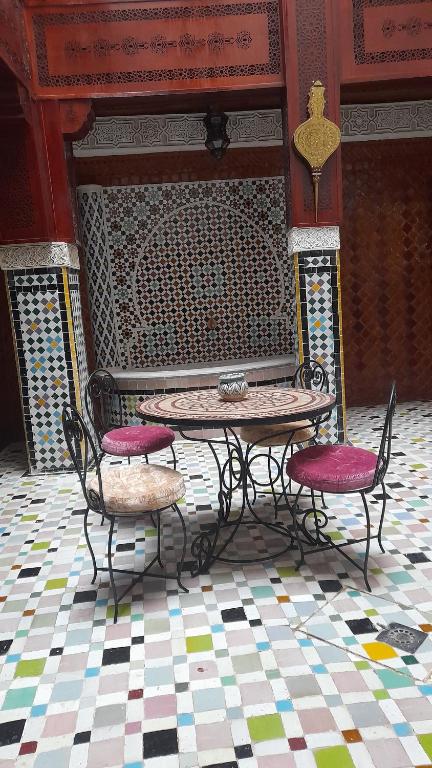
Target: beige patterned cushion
263 435
139 488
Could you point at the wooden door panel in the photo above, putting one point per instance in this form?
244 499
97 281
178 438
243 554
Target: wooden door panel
386 269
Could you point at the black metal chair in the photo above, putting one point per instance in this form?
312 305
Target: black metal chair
340 469
104 410
123 492
308 375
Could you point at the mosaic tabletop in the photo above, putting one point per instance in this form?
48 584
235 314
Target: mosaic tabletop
270 405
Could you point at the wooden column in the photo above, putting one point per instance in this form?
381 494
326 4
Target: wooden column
311 48
40 260
310 44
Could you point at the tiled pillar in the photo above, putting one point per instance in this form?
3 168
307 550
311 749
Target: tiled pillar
98 267
315 251
45 309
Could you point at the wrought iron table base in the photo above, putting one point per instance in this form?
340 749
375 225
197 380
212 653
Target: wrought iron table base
207 547
235 475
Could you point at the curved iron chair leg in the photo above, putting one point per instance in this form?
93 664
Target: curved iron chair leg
368 539
285 491
174 456
324 505
87 538
379 537
146 458
110 570
102 454
315 517
183 554
296 531
159 531
129 460
152 518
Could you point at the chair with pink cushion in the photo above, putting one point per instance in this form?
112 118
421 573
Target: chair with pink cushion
294 434
131 493
340 469
104 410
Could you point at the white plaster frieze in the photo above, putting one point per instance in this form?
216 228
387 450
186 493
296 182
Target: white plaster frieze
398 120
169 133
313 239
33 255
172 133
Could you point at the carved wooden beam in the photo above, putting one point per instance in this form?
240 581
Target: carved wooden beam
77 118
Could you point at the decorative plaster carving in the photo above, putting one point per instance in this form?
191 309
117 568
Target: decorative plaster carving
34 255
371 122
313 239
172 133
169 133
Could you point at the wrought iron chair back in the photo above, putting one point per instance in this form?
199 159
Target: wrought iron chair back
103 403
384 452
311 375
84 455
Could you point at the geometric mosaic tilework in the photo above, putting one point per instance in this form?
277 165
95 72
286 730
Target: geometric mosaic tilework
43 344
99 278
78 328
220 676
197 271
353 619
319 321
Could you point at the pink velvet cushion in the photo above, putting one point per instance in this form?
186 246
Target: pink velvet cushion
333 468
137 441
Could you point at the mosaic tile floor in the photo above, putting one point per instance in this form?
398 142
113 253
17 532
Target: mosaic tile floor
257 667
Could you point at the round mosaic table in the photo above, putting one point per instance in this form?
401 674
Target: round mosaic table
204 409
263 405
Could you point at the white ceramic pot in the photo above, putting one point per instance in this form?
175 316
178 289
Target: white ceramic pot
232 387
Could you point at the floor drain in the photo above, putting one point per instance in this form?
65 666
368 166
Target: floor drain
402 637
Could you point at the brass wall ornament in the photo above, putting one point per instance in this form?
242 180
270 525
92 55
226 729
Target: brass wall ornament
317 138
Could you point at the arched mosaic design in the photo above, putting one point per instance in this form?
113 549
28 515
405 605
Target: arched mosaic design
199 272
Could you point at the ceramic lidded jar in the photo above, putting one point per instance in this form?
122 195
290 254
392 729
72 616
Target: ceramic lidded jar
232 387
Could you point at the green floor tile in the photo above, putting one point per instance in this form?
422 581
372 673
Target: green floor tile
229 680
380 693
265 727
199 643
19 697
425 740
56 583
261 592
392 679
124 609
284 573
335 535
333 757
362 665
30 668
400 577
40 545
272 674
